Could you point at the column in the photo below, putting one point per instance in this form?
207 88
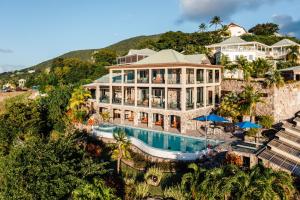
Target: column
135 95
97 93
166 123
150 120
183 89
122 94
135 118
150 96
195 97
122 115
166 75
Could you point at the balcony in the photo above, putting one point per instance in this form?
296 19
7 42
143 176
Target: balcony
129 96
158 98
200 99
143 97
210 76
158 76
116 95
104 99
174 76
189 98
117 76
143 76
129 76
200 76
174 98
190 76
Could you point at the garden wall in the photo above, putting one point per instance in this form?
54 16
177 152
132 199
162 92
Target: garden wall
282 103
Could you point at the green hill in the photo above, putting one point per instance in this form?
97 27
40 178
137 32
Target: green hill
121 48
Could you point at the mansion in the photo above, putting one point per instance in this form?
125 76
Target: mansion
161 90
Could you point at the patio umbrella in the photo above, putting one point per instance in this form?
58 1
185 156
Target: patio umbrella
212 118
247 124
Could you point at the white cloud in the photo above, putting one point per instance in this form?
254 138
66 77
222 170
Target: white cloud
196 10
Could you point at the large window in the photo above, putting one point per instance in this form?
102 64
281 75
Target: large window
174 76
217 76
158 76
200 75
189 98
143 76
210 76
129 76
190 76
117 76
200 99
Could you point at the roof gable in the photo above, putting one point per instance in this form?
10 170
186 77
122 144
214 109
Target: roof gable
285 42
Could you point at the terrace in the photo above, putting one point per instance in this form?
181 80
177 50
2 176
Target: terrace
129 96
174 98
158 76
116 95
143 97
158 98
174 76
104 94
143 76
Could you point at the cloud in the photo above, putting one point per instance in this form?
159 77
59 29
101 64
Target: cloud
6 51
197 10
287 25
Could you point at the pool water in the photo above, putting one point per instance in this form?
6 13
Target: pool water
163 140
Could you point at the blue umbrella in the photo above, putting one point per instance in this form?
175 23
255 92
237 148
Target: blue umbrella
247 124
211 117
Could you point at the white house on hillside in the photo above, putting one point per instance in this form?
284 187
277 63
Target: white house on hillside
234 47
236 30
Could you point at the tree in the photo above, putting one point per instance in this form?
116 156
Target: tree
230 182
264 29
215 21
42 169
94 191
77 103
105 56
243 64
121 148
229 106
293 54
274 79
19 121
202 27
249 99
261 67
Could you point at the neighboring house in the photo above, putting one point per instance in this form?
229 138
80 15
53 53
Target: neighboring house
291 73
164 91
134 56
22 83
236 30
31 71
8 87
234 47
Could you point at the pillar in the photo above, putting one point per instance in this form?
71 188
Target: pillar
166 123
150 120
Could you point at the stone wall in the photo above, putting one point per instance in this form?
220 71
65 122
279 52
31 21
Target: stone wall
282 103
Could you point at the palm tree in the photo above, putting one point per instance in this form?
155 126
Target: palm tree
190 181
243 64
77 102
202 27
261 67
224 31
249 99
121 148
293 54
105 116
229 106
215 21
274 79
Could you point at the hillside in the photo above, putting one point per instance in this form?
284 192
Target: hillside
85 55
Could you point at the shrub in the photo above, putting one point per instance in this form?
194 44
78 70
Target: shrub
266 121
252 132
175 193
141 191
232 158
153 176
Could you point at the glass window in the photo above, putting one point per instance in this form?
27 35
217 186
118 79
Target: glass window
217 76
200 75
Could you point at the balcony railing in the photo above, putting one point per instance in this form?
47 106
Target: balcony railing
129 102
117 100
189 105
174 81
143 102
155 104
174 106
104 99
143 80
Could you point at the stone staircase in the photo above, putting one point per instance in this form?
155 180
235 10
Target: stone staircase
283 152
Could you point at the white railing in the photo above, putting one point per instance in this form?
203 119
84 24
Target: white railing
161 153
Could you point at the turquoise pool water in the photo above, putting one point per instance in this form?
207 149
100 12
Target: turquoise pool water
163 140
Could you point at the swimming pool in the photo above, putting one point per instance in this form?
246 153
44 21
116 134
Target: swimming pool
162 140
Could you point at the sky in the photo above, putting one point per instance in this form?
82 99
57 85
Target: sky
32 31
